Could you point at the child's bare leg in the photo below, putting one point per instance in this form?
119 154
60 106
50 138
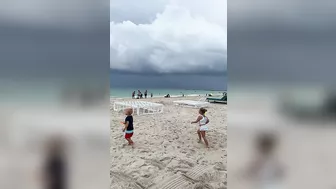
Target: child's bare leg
199 136
205 139
129 141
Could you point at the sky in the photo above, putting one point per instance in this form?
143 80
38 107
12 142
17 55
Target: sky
267 38
169 37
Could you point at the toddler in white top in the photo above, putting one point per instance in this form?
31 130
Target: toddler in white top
203 121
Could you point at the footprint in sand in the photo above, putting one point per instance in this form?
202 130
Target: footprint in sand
120 180
220 166
156 163
144 150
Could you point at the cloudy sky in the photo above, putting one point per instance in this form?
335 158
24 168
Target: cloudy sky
169 36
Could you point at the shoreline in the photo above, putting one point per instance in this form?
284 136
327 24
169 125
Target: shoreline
156 97
127 94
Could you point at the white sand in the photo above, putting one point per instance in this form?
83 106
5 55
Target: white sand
166 154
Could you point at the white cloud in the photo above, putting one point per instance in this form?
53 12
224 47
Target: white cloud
185 37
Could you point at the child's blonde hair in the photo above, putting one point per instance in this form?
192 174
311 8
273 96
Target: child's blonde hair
129 111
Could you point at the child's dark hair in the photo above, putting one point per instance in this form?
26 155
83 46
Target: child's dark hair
203 110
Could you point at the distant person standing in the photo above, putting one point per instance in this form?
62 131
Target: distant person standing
133 94
145 93
139 94
151 95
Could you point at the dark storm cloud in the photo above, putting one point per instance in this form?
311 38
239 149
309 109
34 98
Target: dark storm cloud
143 12
44 39
122 79
287 41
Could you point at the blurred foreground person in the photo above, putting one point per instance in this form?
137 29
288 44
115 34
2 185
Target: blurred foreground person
54 168
265 171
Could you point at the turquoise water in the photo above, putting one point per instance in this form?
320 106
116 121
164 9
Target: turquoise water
122 93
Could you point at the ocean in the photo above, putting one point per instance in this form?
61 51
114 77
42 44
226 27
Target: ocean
127 93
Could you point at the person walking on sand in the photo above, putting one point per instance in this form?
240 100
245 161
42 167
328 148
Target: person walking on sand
139 94
145 93
202 120
128 129
133 94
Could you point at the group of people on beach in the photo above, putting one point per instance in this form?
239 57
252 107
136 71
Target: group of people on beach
140 95
202 121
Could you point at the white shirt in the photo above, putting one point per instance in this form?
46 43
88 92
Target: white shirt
203 121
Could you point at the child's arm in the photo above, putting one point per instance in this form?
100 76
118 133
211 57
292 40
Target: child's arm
126 125
198 119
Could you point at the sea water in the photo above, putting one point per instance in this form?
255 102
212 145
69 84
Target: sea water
127 93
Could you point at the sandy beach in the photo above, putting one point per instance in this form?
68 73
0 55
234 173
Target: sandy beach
166 154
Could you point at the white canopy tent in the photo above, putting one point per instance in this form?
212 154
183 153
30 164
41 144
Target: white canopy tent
139 107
